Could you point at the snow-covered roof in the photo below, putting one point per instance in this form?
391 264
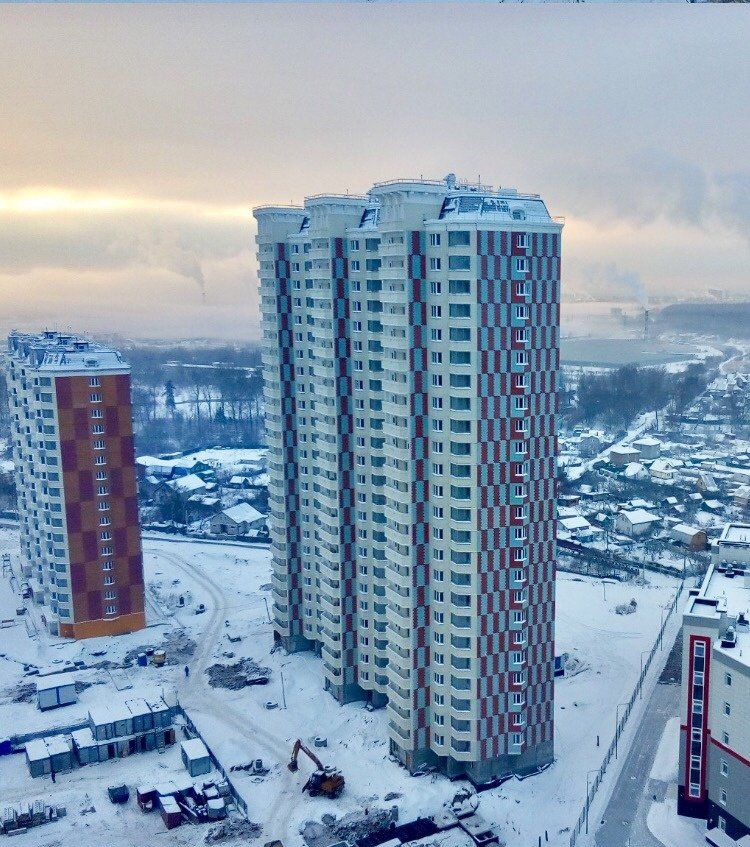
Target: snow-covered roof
686 530
639 516
194 748
635 470
572 524
647 441
58 352
57 680
243 512
191 482
663 465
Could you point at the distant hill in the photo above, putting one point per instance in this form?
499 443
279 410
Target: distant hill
723 319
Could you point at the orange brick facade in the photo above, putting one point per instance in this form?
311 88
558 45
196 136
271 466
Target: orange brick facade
88 540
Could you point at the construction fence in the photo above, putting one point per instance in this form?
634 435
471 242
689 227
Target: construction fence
239 802
582 824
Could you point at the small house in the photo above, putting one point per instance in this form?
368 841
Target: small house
689 536
636 522
242 519
706 484
741 497
663 469
55 690
623 455
195 757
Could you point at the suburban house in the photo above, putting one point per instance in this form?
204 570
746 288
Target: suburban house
623 455
238 520
636 522
663 469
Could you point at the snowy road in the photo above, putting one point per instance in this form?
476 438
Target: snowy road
198 697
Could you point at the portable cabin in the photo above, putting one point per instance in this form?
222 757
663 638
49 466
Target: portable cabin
37 758
170 812
85 746
195 757
60 753
56 690
146 797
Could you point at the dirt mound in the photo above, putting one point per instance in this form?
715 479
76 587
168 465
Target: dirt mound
228 830
239 675
24 692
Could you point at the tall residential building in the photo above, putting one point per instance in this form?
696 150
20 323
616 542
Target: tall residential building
73 452
714 758
411 350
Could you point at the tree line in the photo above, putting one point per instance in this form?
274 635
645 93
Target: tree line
615 397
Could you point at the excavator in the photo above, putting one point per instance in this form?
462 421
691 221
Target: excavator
324 780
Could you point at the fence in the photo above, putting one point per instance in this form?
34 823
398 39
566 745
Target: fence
239 802
621 720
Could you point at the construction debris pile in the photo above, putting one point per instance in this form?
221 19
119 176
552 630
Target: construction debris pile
177 645
182 800
627 608
351 828
239 675
17 820
231 829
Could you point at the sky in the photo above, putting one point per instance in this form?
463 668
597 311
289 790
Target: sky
135 139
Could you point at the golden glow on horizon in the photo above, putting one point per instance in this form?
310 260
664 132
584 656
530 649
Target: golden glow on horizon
52 201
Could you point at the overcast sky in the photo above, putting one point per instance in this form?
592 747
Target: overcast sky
134 140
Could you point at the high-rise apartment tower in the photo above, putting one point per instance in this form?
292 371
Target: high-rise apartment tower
72 430
411 350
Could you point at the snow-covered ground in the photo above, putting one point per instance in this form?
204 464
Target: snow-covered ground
234 586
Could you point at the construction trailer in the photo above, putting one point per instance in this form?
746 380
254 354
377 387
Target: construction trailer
121 729
170 812
55 690
195 757
45 756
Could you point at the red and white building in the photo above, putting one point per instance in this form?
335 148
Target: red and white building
714 751
73 453
411 352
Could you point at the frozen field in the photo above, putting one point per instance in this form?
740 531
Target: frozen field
233 584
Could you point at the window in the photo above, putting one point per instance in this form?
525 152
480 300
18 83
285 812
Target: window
723 796
94 382
725 738
435 287
98 444
355 264
95 397
516 739
101 460
522 240
459 238
727 679
435 239
520 264
727 708
459 286
724 767
110 610
459 263
435 264
97 413
459 310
